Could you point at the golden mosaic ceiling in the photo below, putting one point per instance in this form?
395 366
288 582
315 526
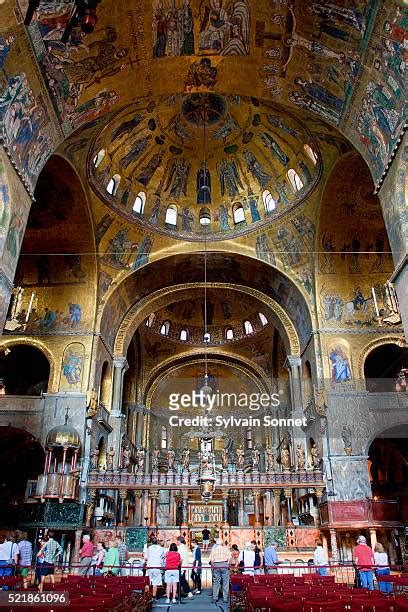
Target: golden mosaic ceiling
203 164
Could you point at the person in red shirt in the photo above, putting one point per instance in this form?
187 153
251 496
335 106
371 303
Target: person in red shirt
364 560
86 554
172 573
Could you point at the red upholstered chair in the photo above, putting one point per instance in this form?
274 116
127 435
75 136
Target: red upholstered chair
400 604
323 605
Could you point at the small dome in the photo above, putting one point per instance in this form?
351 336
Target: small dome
63 435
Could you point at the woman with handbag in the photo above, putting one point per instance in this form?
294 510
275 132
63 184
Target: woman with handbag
247 560
8 556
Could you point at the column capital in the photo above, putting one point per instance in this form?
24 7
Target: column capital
123 494
287 492
292 361
277 493
154 494
120 363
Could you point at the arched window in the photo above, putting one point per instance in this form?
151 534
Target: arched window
165 328
295 180
229 334
248 328
238 213
139 203
99 157
150 319
184 335
263 319
268 201
310 153
171 215
205 216
112 186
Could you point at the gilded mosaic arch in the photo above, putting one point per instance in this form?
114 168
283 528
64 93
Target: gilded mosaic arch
240 363
159 298
389 339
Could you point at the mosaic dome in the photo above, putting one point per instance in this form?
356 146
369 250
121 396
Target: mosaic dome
63 435
203 165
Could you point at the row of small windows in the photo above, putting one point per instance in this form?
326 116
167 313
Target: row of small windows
184 334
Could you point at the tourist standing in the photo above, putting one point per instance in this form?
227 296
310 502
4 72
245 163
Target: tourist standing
364 560
271 559
8 556
234 558
382 568
247 559
50 551
171 575
258 558
219 560
85 555
183 552
196 573
111 563
206 538
98 558
123 553
25 557
320 560
154 557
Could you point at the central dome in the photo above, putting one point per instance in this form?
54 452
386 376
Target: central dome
203 165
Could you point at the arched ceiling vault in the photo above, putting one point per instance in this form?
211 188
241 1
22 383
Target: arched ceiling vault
141 310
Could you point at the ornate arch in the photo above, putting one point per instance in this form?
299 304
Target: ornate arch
160 298
239 364
8 342
389 339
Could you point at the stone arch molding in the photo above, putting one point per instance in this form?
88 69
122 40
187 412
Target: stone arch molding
158 299
239 365
389 339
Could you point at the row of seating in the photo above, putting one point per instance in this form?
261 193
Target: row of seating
101 594
306 594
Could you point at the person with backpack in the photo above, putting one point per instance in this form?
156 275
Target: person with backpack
8 556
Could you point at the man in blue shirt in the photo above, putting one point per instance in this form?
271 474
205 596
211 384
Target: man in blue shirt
271 559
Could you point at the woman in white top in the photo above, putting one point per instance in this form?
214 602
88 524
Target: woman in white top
320 559
382 568
247 559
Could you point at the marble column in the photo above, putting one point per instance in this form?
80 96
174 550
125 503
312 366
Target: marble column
293 365
276 506
288 498
225 497
154 496
333 544
241 507
91 507
137 517
120 365
77 547
185 509
172 507
121 509
256 496
316 507
268 510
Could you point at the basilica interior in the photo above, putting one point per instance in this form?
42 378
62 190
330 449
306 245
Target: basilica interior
205 200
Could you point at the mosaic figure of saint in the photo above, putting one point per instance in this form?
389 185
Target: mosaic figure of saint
230 180
271 144
177 178
203 185
256 169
